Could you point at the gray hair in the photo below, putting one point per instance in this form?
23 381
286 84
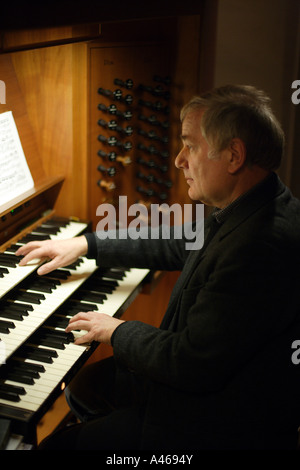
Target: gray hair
240 111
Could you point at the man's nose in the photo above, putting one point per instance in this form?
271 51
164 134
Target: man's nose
180 160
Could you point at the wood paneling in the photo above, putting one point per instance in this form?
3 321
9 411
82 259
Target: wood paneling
14 40
45 78
16 102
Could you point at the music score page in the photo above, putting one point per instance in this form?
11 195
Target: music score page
15 176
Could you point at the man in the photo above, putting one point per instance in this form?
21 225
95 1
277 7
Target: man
218 372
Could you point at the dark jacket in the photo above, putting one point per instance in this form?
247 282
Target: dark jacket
219 369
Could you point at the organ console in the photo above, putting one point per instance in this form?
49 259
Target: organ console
38 357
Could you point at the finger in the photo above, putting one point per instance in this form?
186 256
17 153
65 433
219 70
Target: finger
28 248
83 338
48 267
25 249
80 324
35 254
80 331
81 316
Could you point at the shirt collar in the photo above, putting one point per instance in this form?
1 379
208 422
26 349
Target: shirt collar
221 215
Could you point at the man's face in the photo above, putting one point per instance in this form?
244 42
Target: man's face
207 178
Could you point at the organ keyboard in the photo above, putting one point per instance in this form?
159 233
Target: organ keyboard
39 358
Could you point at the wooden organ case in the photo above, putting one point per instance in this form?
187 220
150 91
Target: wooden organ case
96 121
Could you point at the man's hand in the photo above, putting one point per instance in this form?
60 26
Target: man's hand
60 252
99 326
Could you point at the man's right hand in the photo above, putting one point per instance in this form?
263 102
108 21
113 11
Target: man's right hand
59 253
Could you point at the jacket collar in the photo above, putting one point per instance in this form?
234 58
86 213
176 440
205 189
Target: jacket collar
221 215
248 204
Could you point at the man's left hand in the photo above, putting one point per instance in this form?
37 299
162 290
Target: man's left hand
99 326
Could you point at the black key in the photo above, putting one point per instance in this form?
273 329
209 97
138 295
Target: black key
49 230
31 237
101 282
8 373
58 274
13 248
59 335
36 356
12 388
99 288
42 351
7 302
15 307
31 374
30 366
13 397
45 339
51 280
19 378
76 305
118 275
32 351
74 265
23 371
10 256
25 296
51 343
39 286
11 315
5 326
8 263
73 311
47 282
57 321
57 221
89 296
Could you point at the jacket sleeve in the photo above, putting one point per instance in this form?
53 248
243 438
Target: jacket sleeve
164 248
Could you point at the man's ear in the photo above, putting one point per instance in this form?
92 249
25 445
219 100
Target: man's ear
237 155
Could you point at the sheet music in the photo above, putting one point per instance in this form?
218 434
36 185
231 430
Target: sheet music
15 176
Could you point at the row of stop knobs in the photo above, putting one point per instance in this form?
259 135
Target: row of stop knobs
127 130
